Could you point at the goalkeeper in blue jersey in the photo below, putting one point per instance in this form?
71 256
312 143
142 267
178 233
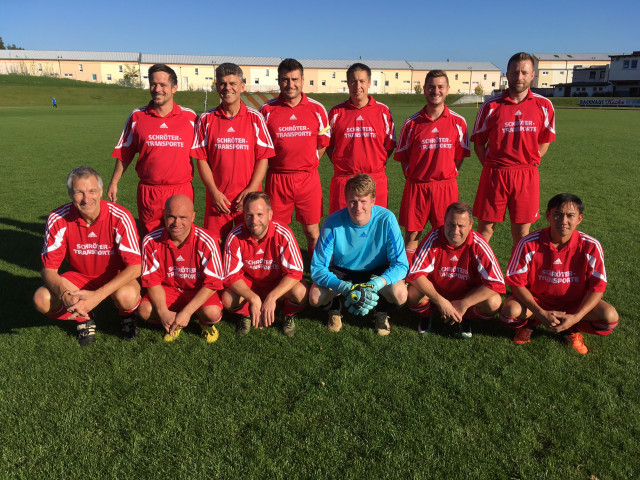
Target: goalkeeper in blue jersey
360 256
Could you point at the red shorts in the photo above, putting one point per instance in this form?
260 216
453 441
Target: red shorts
262 290
177 298
336 190
302 190
151 200
220 224
422 201
517 188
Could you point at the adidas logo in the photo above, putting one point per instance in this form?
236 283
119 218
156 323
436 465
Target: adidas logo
293 117
179 259
363 235
557 262
454 258
92 235
231 130
435 130
518 112
260 252
360 119
164 125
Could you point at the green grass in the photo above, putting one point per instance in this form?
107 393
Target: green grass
320 405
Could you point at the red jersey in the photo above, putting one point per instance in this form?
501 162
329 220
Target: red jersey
263 261
554 277
193 265
297 133
232 146
456 271
99 251
428 149
164 145
361 137
514 131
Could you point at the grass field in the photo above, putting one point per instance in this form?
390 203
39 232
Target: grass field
320 405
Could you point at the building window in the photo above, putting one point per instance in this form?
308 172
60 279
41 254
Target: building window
396 75
108 77
324 82
406 81
592 75
120 68
333 75
545 73
602 74
485 76
80 67
465 83
456 77
196 72
343 81
257 81
68 75
94 77
493 84
266 73
375 83
544 84
209 79
625 64
311 82
386 83
634 63
39 67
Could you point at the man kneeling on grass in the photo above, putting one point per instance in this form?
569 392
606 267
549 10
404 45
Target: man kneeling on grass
182 272
263 269
100 242
557 279
455 271
360 254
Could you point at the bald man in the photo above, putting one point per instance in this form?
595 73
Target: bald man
182 273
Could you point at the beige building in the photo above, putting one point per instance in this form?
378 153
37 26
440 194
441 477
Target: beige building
557 68
464 77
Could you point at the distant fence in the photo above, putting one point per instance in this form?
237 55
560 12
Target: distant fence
608 102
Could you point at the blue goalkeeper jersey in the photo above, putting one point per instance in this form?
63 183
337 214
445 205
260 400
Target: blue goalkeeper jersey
346 245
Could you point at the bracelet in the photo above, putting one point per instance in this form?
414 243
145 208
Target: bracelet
63 294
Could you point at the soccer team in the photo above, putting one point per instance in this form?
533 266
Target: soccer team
246 259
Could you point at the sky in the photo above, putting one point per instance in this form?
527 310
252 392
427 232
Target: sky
489 31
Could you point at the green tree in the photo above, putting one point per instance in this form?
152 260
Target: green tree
11 46
417 88
479 90
130 77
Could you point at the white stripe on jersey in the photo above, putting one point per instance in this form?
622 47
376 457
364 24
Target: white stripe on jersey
484 246
517 253
217 271
422 253
260 118
592 260
129 227
55 216
228 255
296 257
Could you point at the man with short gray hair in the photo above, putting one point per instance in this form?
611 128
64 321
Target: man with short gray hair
100 242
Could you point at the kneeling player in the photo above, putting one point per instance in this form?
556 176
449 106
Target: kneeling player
263 269
557 279
359 244
455 271
182 272
100 242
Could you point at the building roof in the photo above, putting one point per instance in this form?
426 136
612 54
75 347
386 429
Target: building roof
207 59
451 66
70 55
345 64
634 54
573 57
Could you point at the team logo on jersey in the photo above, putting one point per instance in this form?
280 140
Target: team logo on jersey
454 258
518 112
363 235
179 259
557 262
293 117
435 130
260 252
164 125
360 119
92 235
231 130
